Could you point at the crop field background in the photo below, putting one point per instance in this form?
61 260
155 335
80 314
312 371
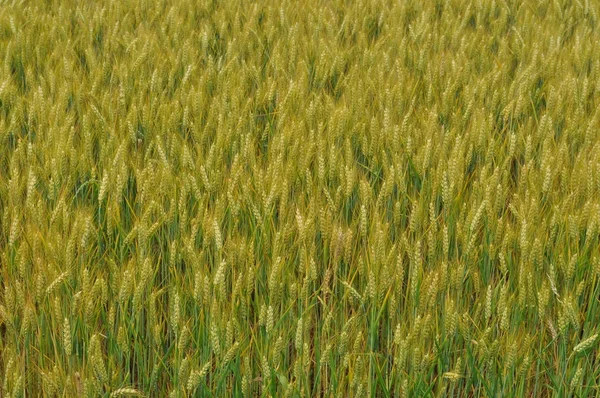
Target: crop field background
310 198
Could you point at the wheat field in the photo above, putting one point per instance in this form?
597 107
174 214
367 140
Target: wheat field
310 198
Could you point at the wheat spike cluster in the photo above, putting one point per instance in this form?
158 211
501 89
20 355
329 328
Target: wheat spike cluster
340 198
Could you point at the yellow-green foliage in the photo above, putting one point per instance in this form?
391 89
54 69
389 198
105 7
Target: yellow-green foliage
299 198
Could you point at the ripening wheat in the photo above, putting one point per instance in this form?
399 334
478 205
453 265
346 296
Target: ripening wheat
320 198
